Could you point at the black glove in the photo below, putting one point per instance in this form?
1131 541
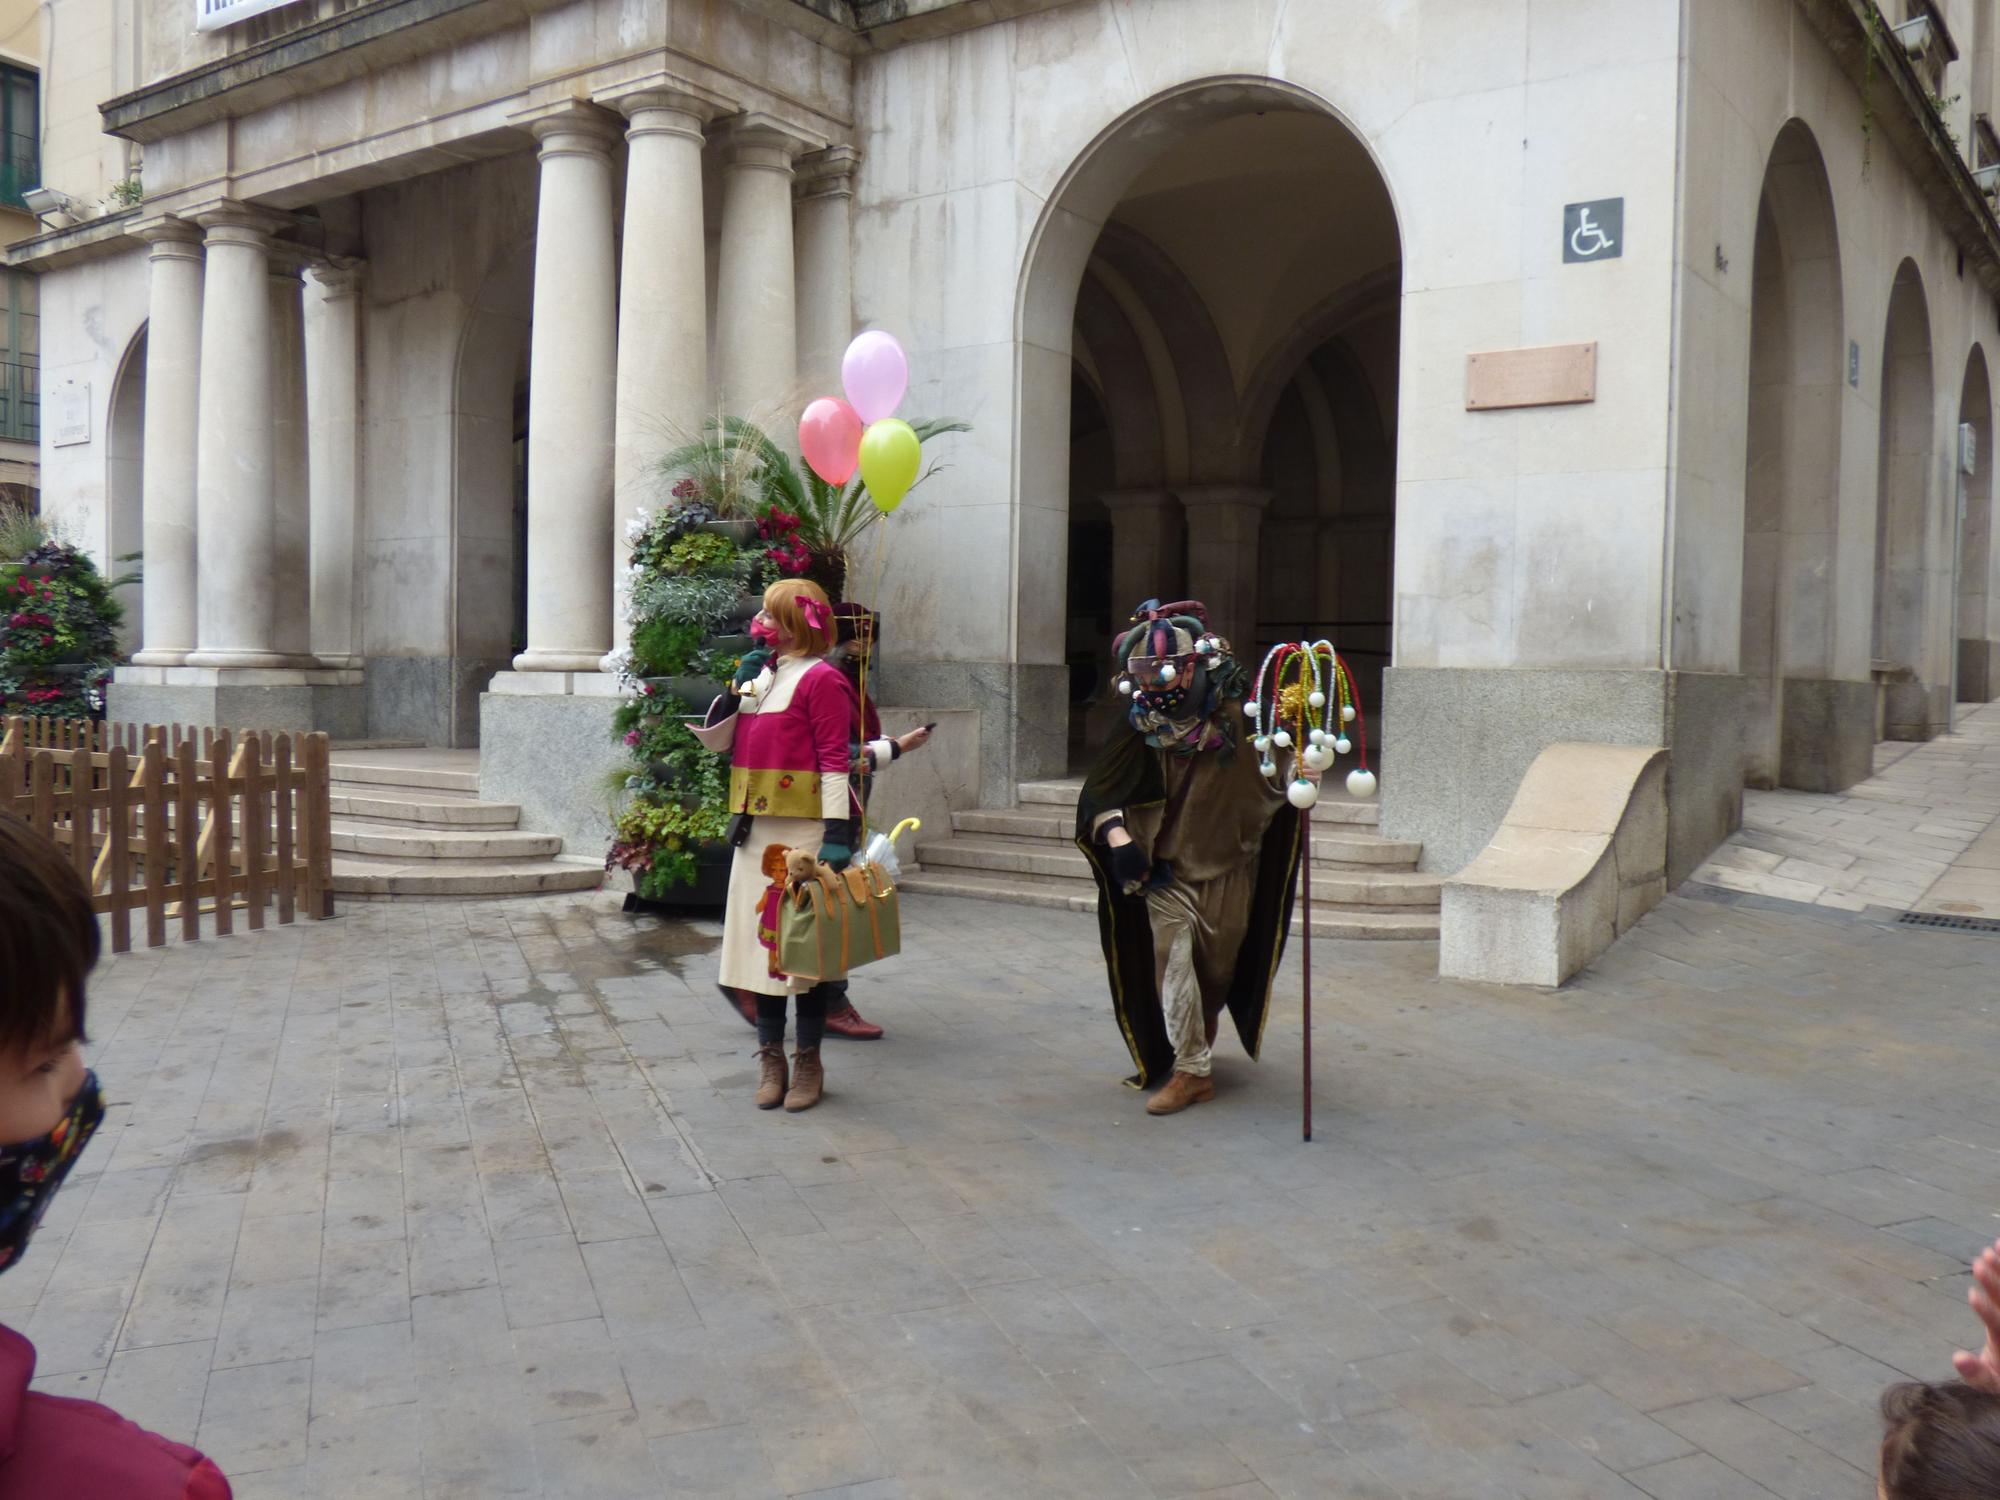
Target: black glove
1130 869
834 848
752 663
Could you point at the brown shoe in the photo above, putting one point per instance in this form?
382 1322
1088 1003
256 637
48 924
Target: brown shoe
1180 1091
847 1022
808 1080
772 1082
742 1002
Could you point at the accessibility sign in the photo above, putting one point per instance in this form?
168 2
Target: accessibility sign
1594 230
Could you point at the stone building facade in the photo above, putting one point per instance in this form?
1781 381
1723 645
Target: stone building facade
419 287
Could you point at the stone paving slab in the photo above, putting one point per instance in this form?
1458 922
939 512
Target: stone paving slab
471 1200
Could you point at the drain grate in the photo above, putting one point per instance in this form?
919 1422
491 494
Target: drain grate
1948 922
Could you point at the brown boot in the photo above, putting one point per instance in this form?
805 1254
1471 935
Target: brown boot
808 1080
772 1083
1180 1091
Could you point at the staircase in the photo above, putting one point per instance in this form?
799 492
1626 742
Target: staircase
1363 885
408 825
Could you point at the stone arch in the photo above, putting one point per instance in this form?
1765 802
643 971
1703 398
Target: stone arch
1354 303
1126 382
1913 688
1978 669
125 483
488 557
1074 229
1791 479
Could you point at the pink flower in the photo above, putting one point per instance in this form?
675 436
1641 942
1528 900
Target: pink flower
631 736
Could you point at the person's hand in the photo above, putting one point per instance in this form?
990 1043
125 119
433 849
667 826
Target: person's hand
834 848
1981 1371
916 739
1129 867
752 663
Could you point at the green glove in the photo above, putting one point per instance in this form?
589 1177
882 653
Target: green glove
752 663
834 848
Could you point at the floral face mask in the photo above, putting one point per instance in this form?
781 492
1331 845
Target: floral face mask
31 1171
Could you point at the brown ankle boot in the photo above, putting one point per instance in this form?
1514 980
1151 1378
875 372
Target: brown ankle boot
808 1080
1181 1090
772 1083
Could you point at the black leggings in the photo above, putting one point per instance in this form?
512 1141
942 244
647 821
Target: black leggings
812 1018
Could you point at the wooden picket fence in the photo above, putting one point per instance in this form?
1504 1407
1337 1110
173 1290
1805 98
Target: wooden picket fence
176 822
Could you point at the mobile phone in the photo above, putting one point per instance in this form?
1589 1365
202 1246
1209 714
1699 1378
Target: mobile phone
930 726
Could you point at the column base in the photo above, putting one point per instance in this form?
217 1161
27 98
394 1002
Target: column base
1978 670
262 698
551 751
1827 742
533 660
1457 742
1023 715
250 661
172 656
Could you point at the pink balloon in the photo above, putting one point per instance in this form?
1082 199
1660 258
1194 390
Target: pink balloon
875 374
830 439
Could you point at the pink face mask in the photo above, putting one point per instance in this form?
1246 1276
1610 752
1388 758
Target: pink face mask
763 632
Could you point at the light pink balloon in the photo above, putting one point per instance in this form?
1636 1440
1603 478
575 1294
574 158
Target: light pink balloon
875 374
830 439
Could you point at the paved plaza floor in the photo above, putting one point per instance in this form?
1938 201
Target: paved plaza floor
470 1200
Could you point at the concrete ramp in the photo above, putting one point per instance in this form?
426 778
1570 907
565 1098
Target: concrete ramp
1580 857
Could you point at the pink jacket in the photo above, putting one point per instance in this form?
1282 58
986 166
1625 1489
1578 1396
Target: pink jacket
790 757
57 1448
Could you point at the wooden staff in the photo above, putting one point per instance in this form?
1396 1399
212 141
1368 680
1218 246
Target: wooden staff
1306 957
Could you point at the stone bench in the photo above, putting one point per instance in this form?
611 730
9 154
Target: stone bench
1580 857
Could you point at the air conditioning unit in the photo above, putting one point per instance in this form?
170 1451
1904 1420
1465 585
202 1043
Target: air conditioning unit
1918 35
51 207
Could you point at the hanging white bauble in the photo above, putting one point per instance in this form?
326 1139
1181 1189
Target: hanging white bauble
1347 713
1262 743
1342 745
1125 686
1318 758
1361 783
1302 793
1316 698
1268 769
1282 739
1250 711
1167 673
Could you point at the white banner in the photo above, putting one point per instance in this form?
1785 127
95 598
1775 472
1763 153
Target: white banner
213 15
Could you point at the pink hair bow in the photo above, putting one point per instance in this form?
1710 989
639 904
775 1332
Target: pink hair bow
817 614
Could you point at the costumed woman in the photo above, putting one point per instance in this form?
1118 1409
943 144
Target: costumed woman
1194 868
787 727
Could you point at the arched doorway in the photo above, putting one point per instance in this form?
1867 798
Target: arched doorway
1177 264
1791 478
1978 668
1913 692
125 486
489 562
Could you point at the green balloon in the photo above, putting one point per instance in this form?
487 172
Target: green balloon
890 455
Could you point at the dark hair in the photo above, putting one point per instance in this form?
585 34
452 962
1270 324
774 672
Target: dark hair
1942 1442
48 941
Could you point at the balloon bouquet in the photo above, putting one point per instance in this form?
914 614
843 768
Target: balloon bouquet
837 438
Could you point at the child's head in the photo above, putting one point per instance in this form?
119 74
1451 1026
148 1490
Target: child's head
1941 1442
48 946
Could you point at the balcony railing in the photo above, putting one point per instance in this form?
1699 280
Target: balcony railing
20 167
20 402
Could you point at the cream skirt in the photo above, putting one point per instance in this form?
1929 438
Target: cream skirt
745 961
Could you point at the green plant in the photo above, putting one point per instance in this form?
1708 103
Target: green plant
703 599
21 530
663 647
128 194
59 621
703 552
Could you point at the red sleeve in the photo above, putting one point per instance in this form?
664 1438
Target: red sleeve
832 710
874 720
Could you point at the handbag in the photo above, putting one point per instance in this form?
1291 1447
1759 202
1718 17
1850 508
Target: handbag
832 923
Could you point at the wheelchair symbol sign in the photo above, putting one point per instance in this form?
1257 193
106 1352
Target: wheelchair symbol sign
1594 231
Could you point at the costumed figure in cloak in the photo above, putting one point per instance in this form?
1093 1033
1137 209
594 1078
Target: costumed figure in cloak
1194 867
787 726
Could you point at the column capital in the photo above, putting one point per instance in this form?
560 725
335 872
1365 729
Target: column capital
570 127
170 238
339 276
826 174
761 142
1137 500
232 221
659 101
1253 497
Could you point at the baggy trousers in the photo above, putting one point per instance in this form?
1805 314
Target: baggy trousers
1198 931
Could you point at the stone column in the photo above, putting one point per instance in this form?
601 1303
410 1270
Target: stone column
235 451
822 229
333 346
1147 555
573 373
1223 522
662 307
173 365
756 308
290 478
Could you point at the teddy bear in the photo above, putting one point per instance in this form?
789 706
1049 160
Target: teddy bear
802 865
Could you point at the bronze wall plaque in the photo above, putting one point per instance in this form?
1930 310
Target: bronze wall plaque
1557 375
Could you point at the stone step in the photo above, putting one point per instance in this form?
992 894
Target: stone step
1345 847
405 774
1329 920
419 807
1364 885
399 842
367 877
1334 806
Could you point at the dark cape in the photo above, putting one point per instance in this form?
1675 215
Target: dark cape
1129 775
